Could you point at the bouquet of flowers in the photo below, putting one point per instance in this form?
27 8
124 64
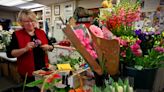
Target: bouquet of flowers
145 50
121 18
4 39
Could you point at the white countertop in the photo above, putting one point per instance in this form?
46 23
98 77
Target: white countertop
4 56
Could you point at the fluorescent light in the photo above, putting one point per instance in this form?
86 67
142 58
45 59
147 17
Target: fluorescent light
13 2
30 6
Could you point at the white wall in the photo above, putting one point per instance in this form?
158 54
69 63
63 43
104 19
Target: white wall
8 15
56 32
89 3
150 5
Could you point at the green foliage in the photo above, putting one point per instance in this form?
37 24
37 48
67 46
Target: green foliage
46 85
114 86
70 60
34 83
152 60
123 30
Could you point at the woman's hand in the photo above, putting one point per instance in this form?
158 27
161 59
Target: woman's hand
21 51
46 47
30 45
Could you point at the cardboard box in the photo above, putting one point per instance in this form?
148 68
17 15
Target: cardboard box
14 75
4 69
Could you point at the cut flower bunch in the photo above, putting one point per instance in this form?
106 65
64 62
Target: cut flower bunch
121 18
139 48
4 39
143 50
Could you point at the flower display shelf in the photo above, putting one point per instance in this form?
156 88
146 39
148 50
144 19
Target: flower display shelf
107 49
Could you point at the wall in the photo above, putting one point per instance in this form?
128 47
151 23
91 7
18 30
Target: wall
7 15
89 3
150 5
56 31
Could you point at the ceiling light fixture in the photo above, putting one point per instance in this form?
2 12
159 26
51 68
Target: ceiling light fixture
30 6
13 2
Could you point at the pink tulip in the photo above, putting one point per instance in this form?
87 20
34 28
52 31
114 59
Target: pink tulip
135 47
159 49
79 33
123 53
137 52
138 41
107 34
96 31
124 43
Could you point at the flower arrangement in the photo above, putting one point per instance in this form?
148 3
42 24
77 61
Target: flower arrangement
137 47
4 39
100 53
121 18
145 50
75 63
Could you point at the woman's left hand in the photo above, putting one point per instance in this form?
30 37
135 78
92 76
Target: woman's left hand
46 47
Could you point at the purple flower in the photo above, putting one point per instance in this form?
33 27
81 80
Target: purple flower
138 32
142 37
150 33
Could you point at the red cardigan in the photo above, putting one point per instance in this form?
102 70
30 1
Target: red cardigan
25 62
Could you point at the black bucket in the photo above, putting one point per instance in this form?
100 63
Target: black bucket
100 79
143 79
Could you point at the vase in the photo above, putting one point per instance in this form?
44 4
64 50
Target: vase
143 79
100 79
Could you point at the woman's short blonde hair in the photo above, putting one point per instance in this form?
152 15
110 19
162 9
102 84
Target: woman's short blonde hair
26 14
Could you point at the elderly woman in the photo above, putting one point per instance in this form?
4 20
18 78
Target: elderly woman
29 45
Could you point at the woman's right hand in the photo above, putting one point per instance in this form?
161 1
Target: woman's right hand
30 45
19 52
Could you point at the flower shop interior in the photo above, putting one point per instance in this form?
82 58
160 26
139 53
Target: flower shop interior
98 45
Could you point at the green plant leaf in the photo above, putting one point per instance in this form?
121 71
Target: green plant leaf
34 83
138 67
107 89
120 82
116 87
96 89
48 86
126 83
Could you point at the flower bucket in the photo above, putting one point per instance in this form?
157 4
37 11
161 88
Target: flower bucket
143 79
100 79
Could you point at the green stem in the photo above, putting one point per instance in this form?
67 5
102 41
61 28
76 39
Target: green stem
24 82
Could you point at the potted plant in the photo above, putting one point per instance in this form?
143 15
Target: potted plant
140 50
138 63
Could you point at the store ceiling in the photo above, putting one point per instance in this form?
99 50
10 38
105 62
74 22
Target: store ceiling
48 2
44 2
